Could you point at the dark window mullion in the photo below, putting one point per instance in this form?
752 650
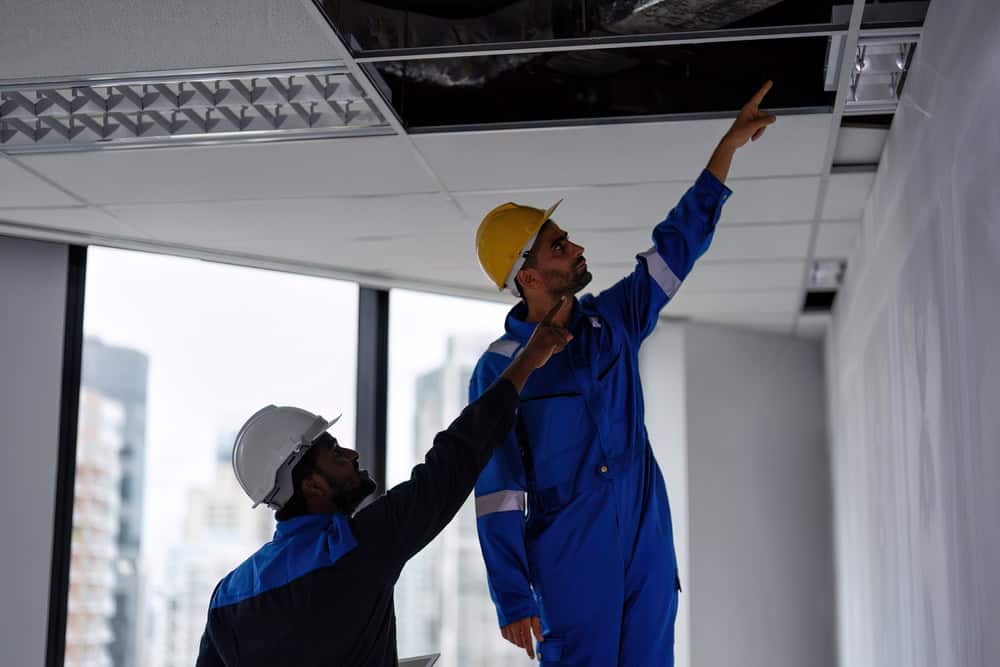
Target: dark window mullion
373 386
69 415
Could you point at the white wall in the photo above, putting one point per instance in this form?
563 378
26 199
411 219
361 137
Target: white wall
915 369
662 362
738 423
761 576
32 303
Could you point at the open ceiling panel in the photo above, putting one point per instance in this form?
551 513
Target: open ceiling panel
381 25
568 86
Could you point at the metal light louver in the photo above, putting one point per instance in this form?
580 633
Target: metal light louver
173 109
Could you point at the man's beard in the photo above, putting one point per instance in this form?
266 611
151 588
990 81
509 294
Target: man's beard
569 284
347 500
582 280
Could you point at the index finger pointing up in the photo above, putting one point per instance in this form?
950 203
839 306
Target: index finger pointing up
759 95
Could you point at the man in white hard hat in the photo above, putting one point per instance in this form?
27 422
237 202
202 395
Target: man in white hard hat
572 510
321 592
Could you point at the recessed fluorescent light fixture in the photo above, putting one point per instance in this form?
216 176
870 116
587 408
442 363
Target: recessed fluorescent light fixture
827 273
169 108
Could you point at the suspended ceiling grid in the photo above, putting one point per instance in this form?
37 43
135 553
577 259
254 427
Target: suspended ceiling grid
400 210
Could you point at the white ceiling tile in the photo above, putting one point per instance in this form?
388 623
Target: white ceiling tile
607 207
617 153
75 220
860 145
21 188
326 217
696 304
104 37
813 325
615 248
624 206
846 195
771 200
753 242
722 276
836 239
768 322
731 243
314 230
317 168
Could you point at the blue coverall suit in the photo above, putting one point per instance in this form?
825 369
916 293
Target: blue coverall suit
572 511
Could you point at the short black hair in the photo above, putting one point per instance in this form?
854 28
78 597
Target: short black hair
296 505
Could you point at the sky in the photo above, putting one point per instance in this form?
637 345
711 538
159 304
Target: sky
224 341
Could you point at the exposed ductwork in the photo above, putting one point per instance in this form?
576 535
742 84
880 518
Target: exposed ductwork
389 24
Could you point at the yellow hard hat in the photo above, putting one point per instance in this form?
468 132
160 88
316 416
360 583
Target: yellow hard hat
505 236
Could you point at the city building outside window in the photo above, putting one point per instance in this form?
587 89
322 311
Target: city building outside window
177 354
442 600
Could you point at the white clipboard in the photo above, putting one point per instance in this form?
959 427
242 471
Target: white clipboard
420 661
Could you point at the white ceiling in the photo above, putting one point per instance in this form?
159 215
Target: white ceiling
604 154
368 207
330 167
403 210
54 38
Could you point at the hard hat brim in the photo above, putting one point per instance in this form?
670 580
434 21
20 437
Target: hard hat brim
549 212
519 262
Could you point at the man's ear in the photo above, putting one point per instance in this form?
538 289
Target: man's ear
314 486
528 278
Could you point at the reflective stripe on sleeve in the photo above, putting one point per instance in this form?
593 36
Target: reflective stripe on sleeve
500 501
661 273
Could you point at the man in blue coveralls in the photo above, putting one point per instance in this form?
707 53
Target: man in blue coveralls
572 509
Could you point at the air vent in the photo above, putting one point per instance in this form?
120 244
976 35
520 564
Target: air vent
819 301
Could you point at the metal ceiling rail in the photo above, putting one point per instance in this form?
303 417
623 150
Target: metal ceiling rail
604 42
846 59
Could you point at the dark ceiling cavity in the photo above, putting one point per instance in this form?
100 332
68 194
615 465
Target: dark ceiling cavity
567 61
378 25
819 301
881 121
606 84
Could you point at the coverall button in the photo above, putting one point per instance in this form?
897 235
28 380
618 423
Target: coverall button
604 468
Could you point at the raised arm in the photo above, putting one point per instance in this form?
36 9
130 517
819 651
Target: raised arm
634 303
411 514
749 125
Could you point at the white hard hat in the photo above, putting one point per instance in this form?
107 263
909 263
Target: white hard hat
268 446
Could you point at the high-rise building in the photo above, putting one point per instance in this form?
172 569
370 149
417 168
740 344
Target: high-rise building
442 601
121 374
96 521
219 532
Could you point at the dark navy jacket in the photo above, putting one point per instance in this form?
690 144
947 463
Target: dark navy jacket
321 592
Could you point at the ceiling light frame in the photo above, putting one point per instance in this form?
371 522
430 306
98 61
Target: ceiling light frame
181 108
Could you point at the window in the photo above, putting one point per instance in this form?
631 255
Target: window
177 354
442 600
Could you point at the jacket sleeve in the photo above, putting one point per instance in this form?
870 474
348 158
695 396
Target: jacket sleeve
500 519
411 514
635 301
208 655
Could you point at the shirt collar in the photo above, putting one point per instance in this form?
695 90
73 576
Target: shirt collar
305 523
521 330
